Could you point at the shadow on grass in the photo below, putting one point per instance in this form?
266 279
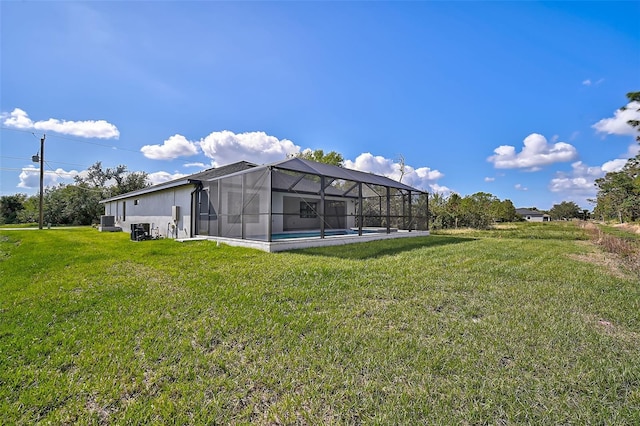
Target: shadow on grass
381 248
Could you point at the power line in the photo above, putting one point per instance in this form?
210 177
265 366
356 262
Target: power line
95 143
68 174
74 140
54 162
19 130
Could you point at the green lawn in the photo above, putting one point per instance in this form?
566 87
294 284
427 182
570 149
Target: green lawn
509 326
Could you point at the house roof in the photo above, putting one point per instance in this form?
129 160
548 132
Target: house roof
292 164
188 180
305 166
529 212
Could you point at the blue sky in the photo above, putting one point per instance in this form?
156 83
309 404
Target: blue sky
517 99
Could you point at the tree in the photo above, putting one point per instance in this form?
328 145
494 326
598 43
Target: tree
10 207
633 97
438 214
31 211
479 211
503 211
619 192
334 158
122 181
476 210
565 210
75 204
453 208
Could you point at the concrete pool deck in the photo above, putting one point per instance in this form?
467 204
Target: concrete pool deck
308 242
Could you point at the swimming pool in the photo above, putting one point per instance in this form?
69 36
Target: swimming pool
311 234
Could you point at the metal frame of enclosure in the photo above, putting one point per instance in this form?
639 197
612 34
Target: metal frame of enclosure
295 196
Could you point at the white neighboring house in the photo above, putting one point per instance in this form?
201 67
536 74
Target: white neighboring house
533 215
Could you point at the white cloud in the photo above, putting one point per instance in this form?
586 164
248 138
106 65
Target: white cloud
617 125
588 82
199 165
421 177
161 177
226 147
489 179
634 149
581 180
613 165
30 177
174 147
100 129
443 190
519 187
536 152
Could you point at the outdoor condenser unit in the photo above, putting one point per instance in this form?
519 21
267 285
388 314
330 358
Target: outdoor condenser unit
140 231
107 221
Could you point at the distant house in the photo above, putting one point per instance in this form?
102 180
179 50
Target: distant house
275 207
533 215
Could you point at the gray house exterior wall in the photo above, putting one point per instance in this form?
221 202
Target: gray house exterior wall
157 209
157 204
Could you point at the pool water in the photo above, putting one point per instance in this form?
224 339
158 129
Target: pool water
310 234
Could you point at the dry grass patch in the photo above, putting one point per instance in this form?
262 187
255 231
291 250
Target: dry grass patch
629 227
625 250
611 262
610 328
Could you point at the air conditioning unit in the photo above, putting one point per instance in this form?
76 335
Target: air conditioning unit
140 231
107 221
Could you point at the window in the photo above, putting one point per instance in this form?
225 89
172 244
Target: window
136 202
252 208
308 210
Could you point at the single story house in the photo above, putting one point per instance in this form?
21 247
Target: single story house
533 215
289 204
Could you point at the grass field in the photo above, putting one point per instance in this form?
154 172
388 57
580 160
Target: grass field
526 324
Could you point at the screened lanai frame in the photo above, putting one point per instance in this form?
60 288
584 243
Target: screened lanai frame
300 197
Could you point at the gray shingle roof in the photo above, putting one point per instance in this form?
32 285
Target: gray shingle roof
188 180
292 164
529 212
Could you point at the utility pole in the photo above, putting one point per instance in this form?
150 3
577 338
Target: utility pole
41 179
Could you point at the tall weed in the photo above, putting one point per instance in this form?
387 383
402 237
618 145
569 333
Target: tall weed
628 249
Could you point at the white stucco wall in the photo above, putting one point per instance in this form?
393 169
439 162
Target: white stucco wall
536 218
156 209
533 218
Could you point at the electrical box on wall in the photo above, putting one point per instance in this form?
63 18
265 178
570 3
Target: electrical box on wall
175 213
